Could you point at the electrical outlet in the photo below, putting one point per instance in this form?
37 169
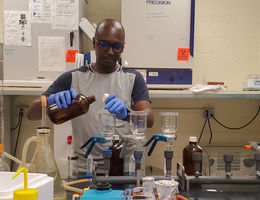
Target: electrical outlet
21 108
208 112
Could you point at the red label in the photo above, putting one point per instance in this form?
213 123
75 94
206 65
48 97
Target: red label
183 54
71 55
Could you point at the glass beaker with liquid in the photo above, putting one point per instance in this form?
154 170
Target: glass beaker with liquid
169 124
107 124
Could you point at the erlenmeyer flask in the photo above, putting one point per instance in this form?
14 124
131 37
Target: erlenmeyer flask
43 160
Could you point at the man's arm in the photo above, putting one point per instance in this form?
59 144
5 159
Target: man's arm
34 112
145 105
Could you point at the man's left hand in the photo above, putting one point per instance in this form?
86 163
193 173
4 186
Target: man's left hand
116 106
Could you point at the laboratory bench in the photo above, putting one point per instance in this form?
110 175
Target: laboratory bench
165 98
213 192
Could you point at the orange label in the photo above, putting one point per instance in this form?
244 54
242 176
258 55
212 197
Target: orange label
183 54
71 55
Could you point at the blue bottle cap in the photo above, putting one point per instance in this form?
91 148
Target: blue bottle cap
88 176
107 151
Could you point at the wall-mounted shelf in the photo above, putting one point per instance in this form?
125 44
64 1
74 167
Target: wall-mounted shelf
31 91
175 94
179 94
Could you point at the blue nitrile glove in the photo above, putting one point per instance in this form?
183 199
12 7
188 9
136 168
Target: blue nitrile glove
116 106
63 98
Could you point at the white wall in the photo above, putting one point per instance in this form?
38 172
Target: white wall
227 41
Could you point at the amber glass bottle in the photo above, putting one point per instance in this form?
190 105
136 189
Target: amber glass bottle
188 162
79 106
116 163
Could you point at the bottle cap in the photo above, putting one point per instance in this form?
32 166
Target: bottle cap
26 193
107 151
88 176
105 96
1 148
116 137
193 139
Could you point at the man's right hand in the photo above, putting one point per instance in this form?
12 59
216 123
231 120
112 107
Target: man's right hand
63 98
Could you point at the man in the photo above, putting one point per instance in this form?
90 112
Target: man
126 87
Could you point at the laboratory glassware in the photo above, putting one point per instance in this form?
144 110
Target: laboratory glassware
188 162
43 160
138 126
169 123
107 124
79 106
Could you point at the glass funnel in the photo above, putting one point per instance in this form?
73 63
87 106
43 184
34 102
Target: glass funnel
43 162
107 124
138 126
169 124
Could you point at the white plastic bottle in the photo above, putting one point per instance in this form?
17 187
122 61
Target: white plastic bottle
89 169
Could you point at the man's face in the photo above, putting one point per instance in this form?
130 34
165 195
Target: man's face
109 45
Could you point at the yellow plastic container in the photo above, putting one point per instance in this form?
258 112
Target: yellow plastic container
26 193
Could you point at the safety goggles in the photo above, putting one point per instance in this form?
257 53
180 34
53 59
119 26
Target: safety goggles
117 47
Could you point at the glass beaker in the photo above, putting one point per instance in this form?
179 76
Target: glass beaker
43 160
138 126
107 124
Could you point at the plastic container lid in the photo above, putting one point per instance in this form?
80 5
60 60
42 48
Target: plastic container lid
116 137
193 139
88 176
28 194
107 151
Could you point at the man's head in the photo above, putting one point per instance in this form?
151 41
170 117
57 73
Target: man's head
109 44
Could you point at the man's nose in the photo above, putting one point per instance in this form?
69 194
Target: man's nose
110 51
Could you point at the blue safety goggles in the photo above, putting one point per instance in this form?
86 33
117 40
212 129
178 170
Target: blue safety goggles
117 47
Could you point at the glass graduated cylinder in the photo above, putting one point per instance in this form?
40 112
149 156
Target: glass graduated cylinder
107 123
